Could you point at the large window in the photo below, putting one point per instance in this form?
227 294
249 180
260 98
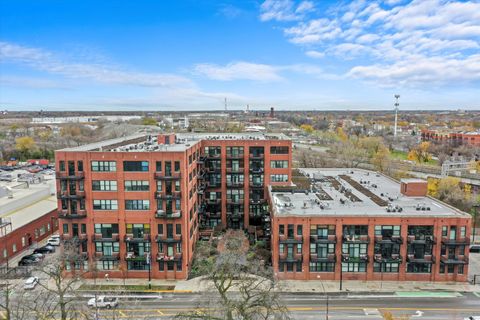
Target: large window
387 231
419 268
141 166
279 150
104 185
355 250
322 266
279 178
104 166
105 204
106 229
138 229
354 267
137 204
386 267
280 164
137 185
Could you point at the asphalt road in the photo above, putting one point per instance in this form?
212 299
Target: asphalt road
309 307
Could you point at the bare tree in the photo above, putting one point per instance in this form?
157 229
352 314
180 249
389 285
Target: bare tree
244 289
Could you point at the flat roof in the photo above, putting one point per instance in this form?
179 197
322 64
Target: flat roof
143 142
27 203
355 192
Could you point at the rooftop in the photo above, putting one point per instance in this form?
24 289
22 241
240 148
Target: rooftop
22 201
354 192
149 143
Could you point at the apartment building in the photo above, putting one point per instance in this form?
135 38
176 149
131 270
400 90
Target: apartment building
360 225
136 204
453 138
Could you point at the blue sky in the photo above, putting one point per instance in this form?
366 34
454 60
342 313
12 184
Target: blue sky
190 55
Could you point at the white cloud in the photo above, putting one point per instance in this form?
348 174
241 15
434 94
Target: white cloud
238 71
29 82
284 10
47 62
315 54
380 36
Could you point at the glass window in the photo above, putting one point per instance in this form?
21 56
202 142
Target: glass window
137 185
137 204
138 166
104 166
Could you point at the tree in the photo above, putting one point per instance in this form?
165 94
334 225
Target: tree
25 145
420 153
341 134
149 121
244 289
381 159
307 128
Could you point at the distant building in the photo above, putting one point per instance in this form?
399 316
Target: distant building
453 138
83 119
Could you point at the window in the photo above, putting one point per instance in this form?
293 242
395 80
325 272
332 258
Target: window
61 166
299 230
14 248
138 166
279 150
178 228
279 178
290 231
137 185
387 231
105 205
385 267
160 229
279 164
104 166
444 231
281 248
354 267
137 204
281 229
65 228
158 166
460 269
177 166
462 232
322 267
421 268
104 185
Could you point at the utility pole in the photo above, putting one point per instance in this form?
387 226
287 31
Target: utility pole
397 96
475 208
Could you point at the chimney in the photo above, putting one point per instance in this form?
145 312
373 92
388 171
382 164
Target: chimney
166 138
413 187
272 113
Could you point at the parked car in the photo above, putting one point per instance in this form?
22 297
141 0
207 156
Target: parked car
31 283
40 256
103 302
44 250
54 240
26 262
31 257
475 248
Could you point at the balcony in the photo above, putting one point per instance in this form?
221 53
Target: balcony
213 156
428 258
329 258
114 256
256 185
201 160
235 170
214 184
67 195
331 238
98 237
237 201
132 256
215 215
361 258
390 259
201 174
161 256
284 257
167 176
295 239
166 196
256 156
454 259
162 214
423 239
130 238
258 201
256 170
347 238
213 201
66 214
455 242
235 155
160 238
70 175
231 184
393 239
235 215
213 169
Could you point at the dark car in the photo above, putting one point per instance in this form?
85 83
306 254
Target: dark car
475 248
45 249
31 257
26 262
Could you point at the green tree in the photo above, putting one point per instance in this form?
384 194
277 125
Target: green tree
25 146
149 121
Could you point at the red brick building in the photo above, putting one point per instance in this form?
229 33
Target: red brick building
136 204
454 138
360 225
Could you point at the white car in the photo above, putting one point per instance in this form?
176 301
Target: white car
103 302
31 283
54 240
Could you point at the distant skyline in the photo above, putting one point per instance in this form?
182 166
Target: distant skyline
189 55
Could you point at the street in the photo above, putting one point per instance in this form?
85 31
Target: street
311 306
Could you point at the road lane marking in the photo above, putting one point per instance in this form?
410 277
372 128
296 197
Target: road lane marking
160 313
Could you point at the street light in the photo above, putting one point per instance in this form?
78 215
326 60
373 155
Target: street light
326 295
148 261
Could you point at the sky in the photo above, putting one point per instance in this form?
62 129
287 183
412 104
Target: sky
192 54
